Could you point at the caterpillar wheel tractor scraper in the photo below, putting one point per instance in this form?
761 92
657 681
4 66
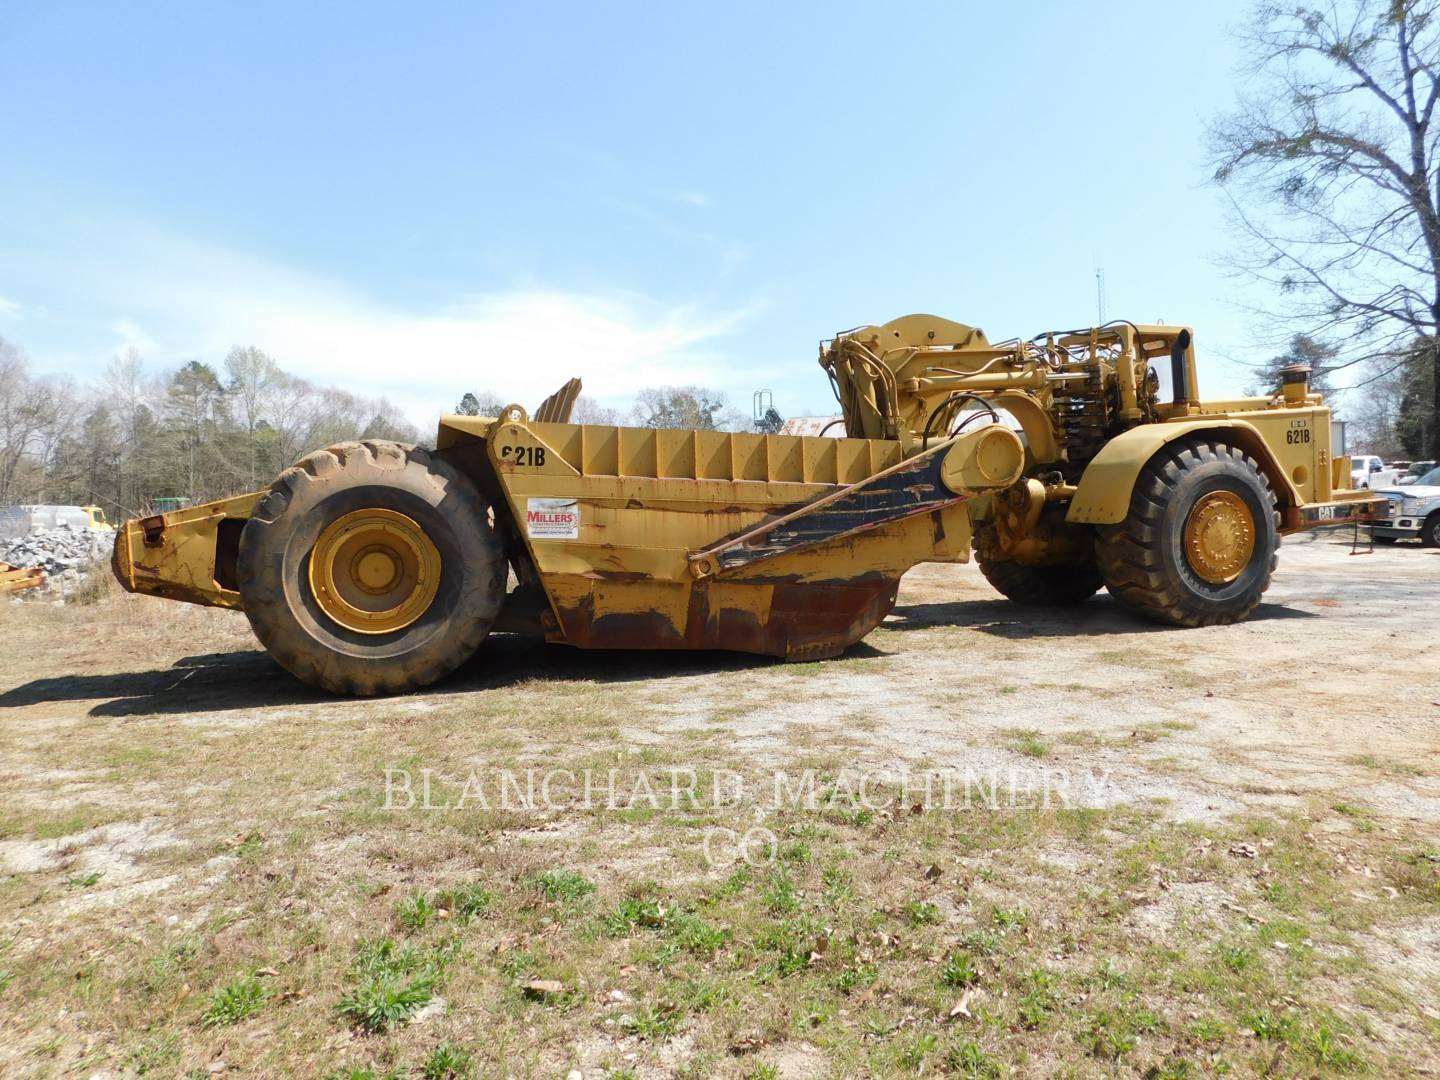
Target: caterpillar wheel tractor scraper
1065 461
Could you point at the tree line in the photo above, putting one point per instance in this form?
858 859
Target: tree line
198 432
202 432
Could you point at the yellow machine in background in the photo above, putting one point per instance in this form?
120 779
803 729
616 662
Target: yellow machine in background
95 517
372 567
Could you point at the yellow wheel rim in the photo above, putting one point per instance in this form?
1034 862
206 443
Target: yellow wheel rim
374 571
1219 537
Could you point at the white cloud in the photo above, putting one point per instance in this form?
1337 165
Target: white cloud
131 335
9 309
692 198
519 344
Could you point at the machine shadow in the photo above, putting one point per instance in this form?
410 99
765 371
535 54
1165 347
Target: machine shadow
1096 617
250 679
204 683
507 659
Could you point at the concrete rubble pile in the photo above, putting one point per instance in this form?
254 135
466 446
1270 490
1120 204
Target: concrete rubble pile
65 553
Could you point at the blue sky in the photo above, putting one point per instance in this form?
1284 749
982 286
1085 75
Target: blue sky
421 199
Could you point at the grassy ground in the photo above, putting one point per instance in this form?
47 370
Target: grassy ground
980 942
206 873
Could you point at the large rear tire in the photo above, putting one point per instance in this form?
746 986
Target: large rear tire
371 568
1201 540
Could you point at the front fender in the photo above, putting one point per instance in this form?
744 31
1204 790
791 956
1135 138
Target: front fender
1103 496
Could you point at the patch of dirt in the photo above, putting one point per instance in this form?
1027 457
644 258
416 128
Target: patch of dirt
113 851
798 1061
1411 956
1189 902
116 897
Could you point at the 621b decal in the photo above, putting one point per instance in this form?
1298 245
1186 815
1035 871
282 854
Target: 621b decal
525 456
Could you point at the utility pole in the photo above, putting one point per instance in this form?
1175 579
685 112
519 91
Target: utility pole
1100 295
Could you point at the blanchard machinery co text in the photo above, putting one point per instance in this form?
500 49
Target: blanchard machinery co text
689 788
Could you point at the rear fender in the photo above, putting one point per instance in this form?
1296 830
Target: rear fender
1103 496
464 442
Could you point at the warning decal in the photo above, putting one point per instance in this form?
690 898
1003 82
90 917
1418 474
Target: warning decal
552 519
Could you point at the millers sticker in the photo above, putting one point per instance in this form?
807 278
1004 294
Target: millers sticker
552 519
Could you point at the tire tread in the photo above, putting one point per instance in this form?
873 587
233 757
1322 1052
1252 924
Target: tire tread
1129 554
376 462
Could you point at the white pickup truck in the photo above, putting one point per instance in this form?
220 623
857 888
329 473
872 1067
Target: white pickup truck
1369 471
1413 511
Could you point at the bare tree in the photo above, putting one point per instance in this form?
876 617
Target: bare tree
1330 163
589 411
194 401
485 403
291 411
251 375
1374 417
387 422
58 410
685 407
125 386
24 415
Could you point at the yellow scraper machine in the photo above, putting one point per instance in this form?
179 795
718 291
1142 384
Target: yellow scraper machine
1070 462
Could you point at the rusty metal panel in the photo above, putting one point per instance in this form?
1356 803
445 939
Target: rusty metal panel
837 522
821 460
749 459
793 621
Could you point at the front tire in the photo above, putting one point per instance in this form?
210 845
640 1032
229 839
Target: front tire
1430 531
371 568
1201 539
